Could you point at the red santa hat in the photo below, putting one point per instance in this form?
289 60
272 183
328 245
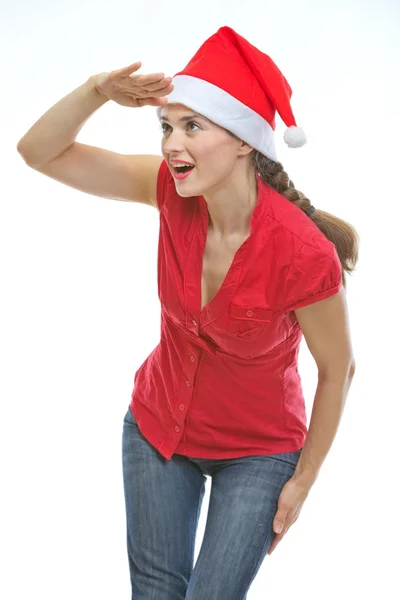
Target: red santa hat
240 88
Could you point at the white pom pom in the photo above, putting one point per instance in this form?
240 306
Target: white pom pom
295 137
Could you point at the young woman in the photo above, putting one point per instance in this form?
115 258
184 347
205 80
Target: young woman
246 267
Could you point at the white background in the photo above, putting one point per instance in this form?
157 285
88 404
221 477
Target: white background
79 305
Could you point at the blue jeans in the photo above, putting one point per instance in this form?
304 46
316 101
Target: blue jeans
163 500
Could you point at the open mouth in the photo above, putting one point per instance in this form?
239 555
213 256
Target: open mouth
181 170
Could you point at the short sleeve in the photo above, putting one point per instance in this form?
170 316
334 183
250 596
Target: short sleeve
315 274
163 179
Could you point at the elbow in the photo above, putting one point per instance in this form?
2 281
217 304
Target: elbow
20 146
352 369
21 151
341 373
25 155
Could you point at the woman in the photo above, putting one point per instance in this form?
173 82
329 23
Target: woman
246 267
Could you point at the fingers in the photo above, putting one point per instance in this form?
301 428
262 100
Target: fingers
160 85
152 81
126 70
156 101
144 80
161 92
152 91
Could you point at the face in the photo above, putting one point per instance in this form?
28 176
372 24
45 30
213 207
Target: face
192 138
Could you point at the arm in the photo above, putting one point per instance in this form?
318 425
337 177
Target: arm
50 148
325 326
58 128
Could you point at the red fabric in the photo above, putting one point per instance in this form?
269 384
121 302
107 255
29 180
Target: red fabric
252 77
223 382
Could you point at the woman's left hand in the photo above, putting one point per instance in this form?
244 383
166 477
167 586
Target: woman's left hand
290 502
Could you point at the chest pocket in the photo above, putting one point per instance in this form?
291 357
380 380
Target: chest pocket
248 321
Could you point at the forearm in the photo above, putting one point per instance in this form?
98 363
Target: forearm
329 402
58 128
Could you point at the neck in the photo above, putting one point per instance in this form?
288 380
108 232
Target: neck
231 207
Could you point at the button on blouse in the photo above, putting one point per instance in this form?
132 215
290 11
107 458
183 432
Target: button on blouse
223 381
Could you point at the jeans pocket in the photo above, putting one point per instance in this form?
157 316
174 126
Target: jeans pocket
288 458
293 457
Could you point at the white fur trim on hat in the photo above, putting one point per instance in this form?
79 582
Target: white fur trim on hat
295 137
223 109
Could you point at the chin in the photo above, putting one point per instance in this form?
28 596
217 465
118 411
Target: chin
189 194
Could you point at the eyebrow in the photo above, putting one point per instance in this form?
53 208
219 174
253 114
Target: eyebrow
188 118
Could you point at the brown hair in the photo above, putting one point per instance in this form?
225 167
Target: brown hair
339 232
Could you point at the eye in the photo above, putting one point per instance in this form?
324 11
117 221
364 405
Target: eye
164 126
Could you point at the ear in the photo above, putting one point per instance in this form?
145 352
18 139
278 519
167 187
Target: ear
244 148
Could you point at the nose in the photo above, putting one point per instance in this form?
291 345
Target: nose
174 143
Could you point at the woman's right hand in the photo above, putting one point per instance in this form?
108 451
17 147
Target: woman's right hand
134 90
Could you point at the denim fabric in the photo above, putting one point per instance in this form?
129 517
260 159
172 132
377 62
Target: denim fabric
163 499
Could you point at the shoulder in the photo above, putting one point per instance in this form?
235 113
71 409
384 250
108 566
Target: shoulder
295 230
166 189
306 266
173 207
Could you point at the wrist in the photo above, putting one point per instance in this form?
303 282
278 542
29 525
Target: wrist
93 83
305 478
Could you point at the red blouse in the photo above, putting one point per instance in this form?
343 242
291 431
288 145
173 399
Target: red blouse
223 381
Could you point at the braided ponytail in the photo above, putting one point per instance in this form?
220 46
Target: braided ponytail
338 231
